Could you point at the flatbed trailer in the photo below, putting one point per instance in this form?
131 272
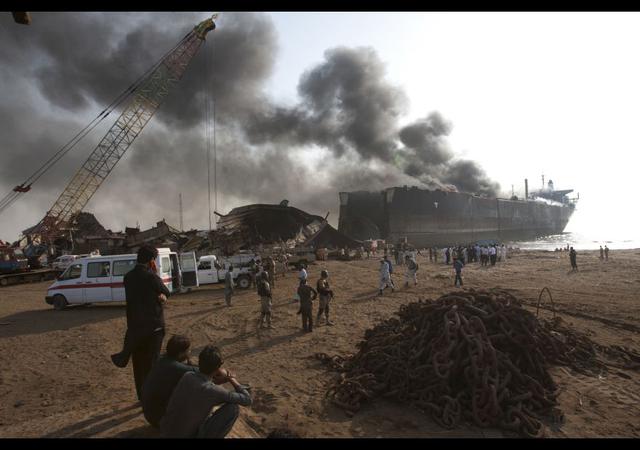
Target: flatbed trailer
31 276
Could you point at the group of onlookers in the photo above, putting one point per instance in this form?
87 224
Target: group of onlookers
182 400
485 254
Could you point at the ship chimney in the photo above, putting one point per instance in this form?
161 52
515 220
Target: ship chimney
526 189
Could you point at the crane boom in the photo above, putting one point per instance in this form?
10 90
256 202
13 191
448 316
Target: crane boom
136 114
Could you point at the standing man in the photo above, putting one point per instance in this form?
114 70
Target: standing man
601 253
190 410
573 258
307 295
270 267
411 273
282 259
458 265
606 253
492 254
264 291
302 275
326 294
447 255
430 254
145 295
253 270
385 277
228 285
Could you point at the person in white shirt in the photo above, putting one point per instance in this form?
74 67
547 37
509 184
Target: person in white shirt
302 275
492 254
385 277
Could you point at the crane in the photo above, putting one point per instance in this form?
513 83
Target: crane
148 96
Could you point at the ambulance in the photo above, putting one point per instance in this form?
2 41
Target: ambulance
100 279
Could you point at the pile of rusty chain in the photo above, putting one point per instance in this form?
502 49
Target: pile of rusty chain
476 356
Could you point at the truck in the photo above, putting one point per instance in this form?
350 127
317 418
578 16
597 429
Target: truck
14 268
62 262
302 255
211 269
12 260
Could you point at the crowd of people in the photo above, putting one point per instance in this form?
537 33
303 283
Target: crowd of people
484 254
457 256
179 398
182 399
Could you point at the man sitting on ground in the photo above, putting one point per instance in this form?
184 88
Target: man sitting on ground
163 378
189 413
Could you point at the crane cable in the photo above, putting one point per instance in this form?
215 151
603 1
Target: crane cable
207 131
24 187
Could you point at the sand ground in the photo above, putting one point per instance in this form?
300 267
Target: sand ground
56 378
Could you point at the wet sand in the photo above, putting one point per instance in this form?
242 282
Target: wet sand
56 378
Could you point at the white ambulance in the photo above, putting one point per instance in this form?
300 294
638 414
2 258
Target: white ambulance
98 279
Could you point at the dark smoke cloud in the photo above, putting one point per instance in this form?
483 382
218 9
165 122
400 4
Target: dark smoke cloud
345 104
427 157
58 73
426 139
468 176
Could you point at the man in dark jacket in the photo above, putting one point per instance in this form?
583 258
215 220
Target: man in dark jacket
307 295
164 377
573 258
145 294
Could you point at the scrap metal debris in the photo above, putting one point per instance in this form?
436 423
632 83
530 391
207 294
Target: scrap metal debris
250 226
476 356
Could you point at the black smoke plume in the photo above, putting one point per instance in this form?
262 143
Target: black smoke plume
61 71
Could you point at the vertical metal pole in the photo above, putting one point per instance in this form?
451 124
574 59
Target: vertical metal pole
215 161
215 154
208 147
180 204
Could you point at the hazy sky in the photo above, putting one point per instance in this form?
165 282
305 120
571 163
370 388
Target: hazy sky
525 94
528 93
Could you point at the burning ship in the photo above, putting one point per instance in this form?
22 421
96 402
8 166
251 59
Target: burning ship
437 217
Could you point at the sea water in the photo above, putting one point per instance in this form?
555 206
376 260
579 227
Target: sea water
579 242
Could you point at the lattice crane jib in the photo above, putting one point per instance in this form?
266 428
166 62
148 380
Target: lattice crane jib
136 114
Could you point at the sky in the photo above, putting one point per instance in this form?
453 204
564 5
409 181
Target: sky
308 104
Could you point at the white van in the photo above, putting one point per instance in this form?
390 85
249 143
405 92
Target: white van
211 270
98 279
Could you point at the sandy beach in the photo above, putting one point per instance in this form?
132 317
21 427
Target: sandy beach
56 378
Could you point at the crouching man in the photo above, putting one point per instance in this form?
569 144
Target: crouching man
163 378
190 411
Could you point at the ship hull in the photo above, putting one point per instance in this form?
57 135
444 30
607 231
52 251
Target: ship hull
429 218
